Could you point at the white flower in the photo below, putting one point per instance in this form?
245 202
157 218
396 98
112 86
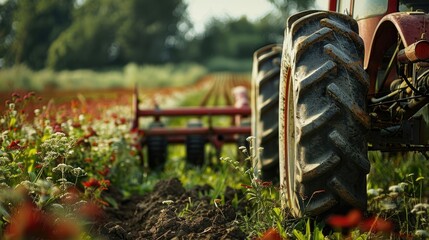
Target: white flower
81 117
61 167
372 192
421 233
396 188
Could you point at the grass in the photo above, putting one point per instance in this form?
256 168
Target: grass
147 76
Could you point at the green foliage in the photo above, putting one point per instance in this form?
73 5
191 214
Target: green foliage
286 7
309 234
85 44
238 38
6 33
37 25
388 168
222 64
147 76
57 166
264 212
117 32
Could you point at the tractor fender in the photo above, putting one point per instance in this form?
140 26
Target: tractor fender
409 26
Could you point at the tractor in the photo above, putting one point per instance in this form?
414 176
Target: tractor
344 82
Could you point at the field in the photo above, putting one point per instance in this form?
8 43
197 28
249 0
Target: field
70 156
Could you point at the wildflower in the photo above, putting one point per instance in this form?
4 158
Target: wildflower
15 95
271 234
246 186
105 171
14 145
91 211
351 220
61 167
78 172
92 182
372 192
420 207
167 202
28 222
250 138
104 184
376 224
266 184
421 233
396 188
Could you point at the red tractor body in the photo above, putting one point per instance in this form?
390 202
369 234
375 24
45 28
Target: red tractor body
381 23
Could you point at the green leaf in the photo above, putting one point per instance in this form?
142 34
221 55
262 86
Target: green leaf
4 213
419 179
308 230
298 235
12 122
112 202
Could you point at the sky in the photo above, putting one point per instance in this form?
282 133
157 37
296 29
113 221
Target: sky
201 11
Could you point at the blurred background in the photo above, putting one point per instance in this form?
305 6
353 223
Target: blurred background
86 44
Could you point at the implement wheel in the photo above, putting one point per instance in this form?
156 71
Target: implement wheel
265 109
156 149
323 120
195 145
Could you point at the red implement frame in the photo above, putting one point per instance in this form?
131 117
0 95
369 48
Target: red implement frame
217 136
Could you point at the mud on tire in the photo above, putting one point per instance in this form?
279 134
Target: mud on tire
323 145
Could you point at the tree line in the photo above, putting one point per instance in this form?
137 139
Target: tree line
71 34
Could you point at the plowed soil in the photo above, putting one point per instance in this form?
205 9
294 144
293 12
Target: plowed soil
172 212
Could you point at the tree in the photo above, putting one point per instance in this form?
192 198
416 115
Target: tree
147 28
238 38
6 34
287 7
38 24
111 32
89 41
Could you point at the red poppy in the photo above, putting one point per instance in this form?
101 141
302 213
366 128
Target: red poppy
246 186
352 219
14 145
266 184
271 234
376 224
91 211
104 182
92 182
15 95
29 222
105 171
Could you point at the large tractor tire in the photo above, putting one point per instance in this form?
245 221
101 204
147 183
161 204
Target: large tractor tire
156 148
265 114
323 119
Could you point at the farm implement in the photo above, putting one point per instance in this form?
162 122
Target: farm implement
228 89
